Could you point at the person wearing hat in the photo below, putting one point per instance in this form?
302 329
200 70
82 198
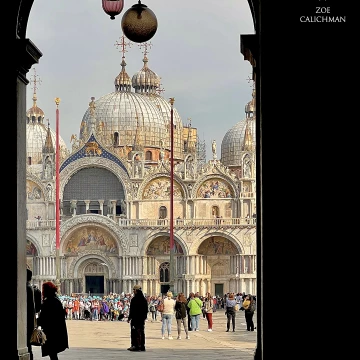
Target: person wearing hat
33 304
137 316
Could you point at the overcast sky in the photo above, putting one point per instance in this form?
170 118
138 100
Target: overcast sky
196 52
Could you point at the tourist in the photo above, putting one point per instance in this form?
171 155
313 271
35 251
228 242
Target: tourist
33 304
138 310
188 312
230 311
249 305
52 321
208 309
180 314
153 307
167 315
195 306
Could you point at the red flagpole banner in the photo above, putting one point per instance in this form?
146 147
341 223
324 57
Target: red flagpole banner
57 177
172 243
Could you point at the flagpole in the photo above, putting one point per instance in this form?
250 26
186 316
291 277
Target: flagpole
57 198
172 243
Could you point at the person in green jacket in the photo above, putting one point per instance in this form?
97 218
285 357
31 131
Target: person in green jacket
195 306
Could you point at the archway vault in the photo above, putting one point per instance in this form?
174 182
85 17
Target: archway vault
78 264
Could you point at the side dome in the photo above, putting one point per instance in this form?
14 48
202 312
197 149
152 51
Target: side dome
164 108
35 114
145 80
36 134
234 142
120 113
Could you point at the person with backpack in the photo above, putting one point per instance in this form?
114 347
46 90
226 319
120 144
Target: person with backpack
152 307
180 314
249 306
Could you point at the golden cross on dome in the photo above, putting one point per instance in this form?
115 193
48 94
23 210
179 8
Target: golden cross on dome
35 80
123 44
159 90
145 45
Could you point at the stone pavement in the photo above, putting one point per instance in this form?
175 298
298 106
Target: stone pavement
109 340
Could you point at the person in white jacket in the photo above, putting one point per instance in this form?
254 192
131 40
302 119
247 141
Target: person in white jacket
167 315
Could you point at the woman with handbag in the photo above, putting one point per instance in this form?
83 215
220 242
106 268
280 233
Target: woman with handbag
53 322
180 314
208 307
33 298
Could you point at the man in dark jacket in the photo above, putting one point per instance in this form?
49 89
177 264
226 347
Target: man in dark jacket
188 313
137 316
33 303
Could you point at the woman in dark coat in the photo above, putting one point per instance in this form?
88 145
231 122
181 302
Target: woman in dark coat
52 321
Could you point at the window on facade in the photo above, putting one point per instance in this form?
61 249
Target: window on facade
29 160
162 212
148 155
116 139
164 271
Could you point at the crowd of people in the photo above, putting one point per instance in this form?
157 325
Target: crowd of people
136 309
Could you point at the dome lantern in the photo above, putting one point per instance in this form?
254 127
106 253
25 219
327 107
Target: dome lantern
145 81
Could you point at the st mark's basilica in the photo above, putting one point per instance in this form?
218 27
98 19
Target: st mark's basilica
115 197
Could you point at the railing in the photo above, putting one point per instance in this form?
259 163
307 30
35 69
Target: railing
43 224
218 222
185 222
246 194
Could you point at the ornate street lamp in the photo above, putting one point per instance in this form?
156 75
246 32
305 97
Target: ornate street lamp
139 23
112 7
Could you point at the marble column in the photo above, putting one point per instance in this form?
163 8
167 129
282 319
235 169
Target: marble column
87 205
101 203
113 204
242 209
73 206
123 266
192 265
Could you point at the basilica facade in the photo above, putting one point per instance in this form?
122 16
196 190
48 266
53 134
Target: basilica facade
114 198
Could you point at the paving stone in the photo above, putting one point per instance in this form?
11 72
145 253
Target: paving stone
109 340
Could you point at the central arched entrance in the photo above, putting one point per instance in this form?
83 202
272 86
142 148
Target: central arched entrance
94 279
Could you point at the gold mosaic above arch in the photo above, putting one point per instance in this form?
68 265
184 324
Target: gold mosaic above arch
161 246
217 245
90 238
159 188
214 188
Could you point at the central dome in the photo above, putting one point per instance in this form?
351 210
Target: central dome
122 113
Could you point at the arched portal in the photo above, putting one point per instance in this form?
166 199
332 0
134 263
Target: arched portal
223 264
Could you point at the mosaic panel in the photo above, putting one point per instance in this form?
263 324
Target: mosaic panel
159 188
217 246
161 246
214 188
90 238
